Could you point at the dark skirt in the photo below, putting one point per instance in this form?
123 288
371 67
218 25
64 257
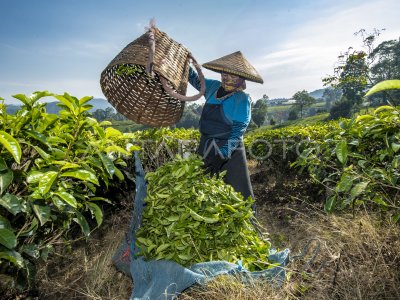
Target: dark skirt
237 173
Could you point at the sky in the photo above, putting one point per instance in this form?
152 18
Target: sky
63 46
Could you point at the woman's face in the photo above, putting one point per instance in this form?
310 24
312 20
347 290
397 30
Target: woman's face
232 82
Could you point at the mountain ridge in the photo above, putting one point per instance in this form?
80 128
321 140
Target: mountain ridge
53 108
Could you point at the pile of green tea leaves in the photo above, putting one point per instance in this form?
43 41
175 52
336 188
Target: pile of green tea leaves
191 217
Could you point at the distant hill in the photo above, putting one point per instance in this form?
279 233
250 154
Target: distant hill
99 103
53 108
317 94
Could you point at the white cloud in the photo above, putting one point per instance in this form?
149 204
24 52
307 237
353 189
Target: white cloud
310 52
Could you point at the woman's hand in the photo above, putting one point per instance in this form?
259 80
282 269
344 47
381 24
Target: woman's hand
214 164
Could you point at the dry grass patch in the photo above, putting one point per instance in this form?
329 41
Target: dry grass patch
86 270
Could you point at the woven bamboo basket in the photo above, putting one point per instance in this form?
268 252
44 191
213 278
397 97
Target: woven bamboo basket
146 81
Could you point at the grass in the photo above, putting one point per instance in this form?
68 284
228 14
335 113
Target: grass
273 108
305 121
127 126
85 271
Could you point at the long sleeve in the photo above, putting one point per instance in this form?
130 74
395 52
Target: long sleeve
241 116
211 85
194 79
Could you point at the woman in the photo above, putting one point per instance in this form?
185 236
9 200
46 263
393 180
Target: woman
224 119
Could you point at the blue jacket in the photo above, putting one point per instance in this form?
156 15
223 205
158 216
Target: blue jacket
237 109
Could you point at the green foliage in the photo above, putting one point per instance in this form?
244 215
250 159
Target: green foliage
303 99
162 145
341 109
292 115
190 217
359 162
108 114
384 86
51 167
331 95
386 57
284 144
259 112
359 69
190 117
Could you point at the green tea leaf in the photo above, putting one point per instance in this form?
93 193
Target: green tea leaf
119 174
34 176
37 136
31 249
383 108
364 118
8 238
341 151
68 198
107 163
117 149
13 257
6 178
68 165
12 145
380 201
80 219
112 132
66 102
3 165
42 153
96 211
358 189
162 247
105 123
82 175
24 99
46 182
85 99
11 203
42 213
345 183
395 147
4 223
384 86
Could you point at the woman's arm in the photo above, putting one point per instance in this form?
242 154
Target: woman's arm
194 79
211 85
240 119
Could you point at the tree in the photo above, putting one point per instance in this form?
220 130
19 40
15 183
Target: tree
99 115
330 96
303 99
386 57
341 109
109 112
191 116
352 75
293 115
259 111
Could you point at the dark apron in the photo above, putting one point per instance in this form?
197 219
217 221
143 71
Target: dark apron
215 129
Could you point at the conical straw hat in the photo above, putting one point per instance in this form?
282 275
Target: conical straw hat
235 64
